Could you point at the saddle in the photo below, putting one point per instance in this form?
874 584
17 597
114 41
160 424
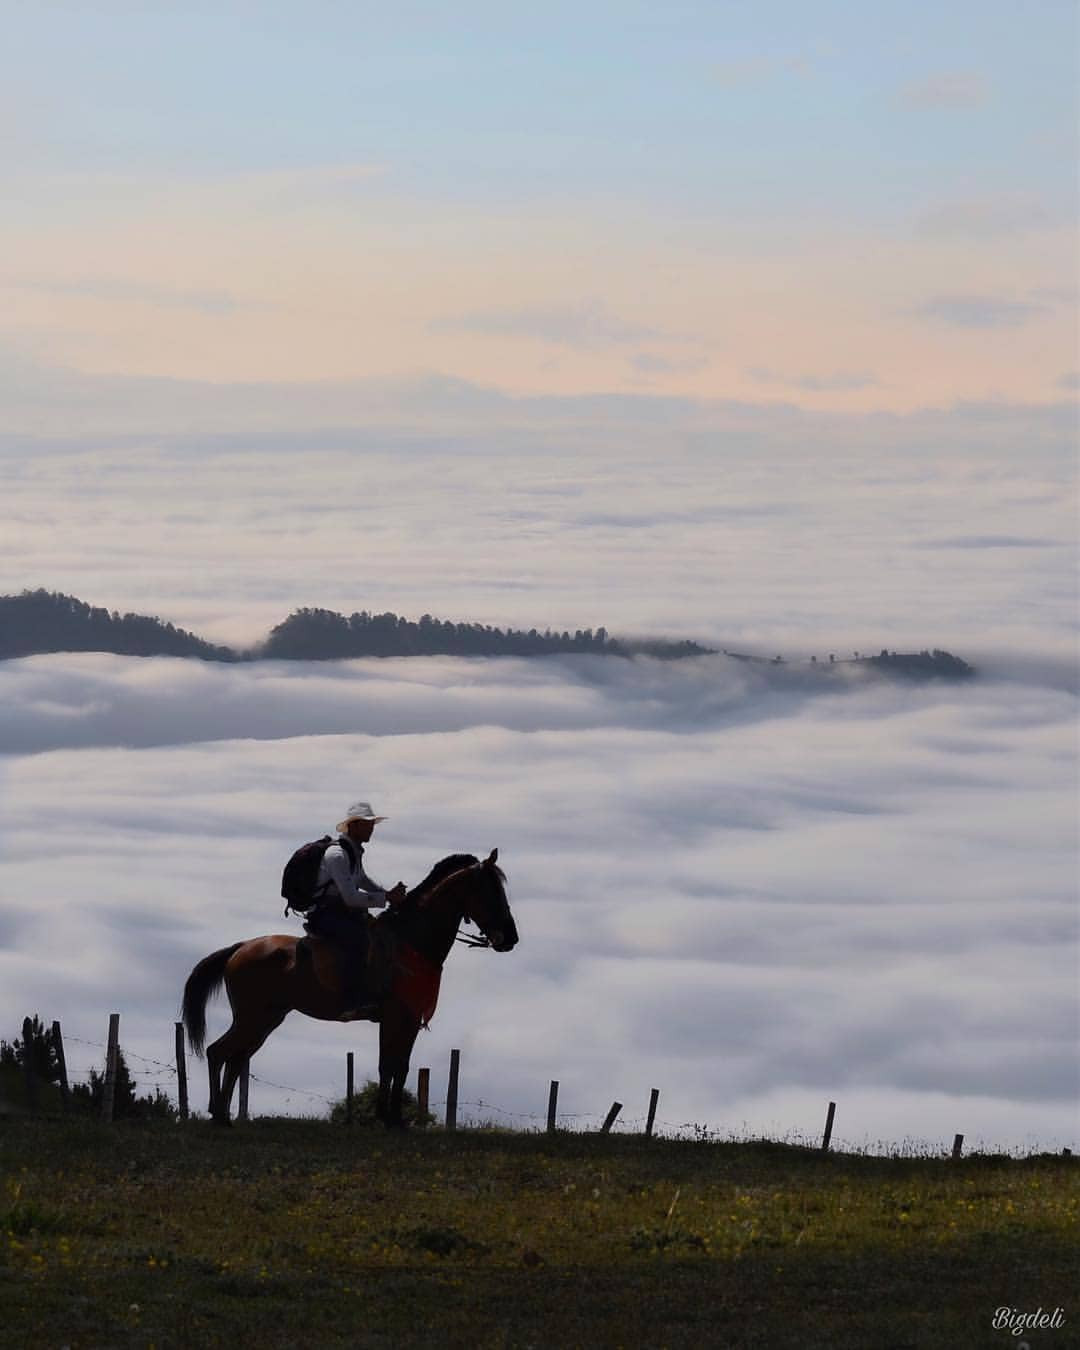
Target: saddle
328 961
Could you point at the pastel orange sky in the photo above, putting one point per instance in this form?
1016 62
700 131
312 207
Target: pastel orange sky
834 218
205 281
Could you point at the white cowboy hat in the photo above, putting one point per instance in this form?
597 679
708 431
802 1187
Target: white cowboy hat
358 811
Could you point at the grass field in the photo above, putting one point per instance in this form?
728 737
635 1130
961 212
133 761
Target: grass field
300 1233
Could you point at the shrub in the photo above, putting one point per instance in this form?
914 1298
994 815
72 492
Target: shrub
364 1108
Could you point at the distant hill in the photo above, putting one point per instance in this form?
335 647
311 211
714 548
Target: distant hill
43 621
321 634
923 665
39 622
919 665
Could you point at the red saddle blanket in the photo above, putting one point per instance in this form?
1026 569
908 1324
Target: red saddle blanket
416 982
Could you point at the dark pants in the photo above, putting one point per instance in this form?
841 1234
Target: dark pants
348 931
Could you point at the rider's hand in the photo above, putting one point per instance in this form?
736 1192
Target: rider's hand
398 893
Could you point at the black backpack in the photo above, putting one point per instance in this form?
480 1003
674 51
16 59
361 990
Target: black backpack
300 878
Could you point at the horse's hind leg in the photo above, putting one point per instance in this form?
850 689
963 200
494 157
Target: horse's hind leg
233 1069
238 1044
214 1060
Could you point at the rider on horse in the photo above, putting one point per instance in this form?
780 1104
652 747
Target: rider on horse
345 894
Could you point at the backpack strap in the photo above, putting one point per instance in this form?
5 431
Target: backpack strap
350 851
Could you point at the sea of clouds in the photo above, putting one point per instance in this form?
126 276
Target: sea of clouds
757 888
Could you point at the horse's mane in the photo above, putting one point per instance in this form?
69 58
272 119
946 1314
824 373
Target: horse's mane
454 862
416 899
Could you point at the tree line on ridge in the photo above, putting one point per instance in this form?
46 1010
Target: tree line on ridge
41 621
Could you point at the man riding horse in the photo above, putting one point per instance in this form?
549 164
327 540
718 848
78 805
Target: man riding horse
344 895
268 977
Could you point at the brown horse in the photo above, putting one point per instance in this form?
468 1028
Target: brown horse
266 978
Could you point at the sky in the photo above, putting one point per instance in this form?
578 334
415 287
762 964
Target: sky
754 324
836 206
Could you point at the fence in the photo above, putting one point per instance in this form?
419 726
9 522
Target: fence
178 1070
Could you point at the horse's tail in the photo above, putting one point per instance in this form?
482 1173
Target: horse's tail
203 982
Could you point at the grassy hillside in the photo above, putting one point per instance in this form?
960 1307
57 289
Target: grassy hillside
299 1233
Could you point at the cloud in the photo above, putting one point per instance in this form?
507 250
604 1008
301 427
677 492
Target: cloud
662 516
752 889
954 90
58 406
978 311
837 380
1067 295
652 363
989 217
589 324
133 292
97 699
992 541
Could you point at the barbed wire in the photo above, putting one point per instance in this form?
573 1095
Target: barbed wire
284 1087
621 1124
128 1054
82 1077
168 1074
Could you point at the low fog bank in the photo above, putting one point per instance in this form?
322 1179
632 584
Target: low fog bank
756 888
68 701
1052 668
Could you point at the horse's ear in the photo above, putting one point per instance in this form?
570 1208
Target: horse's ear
493 857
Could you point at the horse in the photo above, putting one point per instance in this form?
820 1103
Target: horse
266 978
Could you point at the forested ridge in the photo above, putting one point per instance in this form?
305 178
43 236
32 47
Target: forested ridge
320 634
45 621
38 622
41 621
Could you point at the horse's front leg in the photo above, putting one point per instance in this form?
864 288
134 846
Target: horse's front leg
382 1101
397 1034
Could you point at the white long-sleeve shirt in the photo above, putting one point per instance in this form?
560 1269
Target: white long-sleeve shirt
353 884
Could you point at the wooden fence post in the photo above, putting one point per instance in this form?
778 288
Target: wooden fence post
553 1105
181 1072
423 1091
112 1054
654 1097
616 1107
451 1090
29 1077
61 1064
827 1137
957 1146
245 1087
349 1088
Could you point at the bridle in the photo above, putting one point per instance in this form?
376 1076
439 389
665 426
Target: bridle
466 939
480 939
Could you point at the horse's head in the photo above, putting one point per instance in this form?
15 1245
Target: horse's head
486 904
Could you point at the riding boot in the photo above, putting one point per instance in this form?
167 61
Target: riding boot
354 978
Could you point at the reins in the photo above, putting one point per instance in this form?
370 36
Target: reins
423 907
472 940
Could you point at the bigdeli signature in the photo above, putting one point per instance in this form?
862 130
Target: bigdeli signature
1017 1322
